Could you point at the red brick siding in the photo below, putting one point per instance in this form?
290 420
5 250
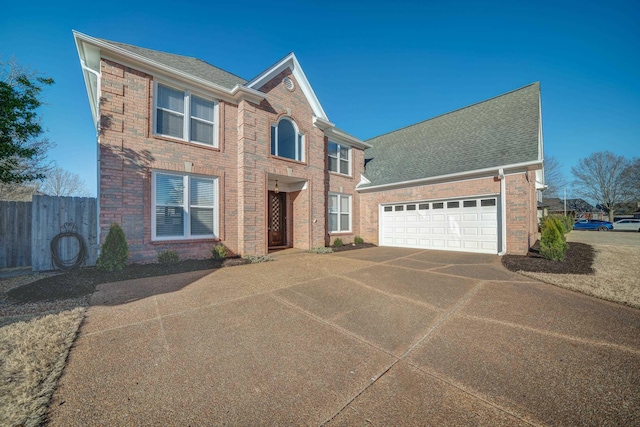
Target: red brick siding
129 152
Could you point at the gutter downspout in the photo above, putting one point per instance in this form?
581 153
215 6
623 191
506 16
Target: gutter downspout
85 68
503 212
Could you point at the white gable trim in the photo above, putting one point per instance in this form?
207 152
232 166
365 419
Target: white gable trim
290 61
108 51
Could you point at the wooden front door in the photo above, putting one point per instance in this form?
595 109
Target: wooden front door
277 219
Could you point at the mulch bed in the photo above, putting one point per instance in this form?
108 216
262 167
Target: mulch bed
578 260
352 246
77 283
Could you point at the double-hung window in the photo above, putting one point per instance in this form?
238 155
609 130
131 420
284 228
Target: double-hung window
286 141
182 115
184 206
339 158
339 213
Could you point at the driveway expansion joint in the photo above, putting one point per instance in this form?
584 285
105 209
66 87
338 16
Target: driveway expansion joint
441 320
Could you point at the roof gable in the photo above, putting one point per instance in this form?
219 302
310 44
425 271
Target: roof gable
290 61
187 64
501 131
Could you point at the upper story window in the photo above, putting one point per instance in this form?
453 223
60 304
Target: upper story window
182 115
286 141
339 158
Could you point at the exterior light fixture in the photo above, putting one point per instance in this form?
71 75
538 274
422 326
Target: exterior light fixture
276 189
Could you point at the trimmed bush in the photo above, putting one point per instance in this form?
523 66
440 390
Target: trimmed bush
566 222
219 251
257 259
552 243
321 250
168 257
358 240
338 242
114 251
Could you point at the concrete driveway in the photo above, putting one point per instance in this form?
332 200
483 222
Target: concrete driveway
378 336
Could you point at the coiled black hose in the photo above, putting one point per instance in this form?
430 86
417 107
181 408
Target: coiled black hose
73 262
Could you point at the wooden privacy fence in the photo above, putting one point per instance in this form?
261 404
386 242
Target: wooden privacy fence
31 231
15 234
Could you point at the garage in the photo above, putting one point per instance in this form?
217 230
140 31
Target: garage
468 225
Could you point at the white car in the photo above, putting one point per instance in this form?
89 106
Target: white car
627 225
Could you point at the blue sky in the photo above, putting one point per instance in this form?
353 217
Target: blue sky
375 67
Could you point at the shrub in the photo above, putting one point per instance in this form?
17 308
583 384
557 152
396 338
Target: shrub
552 243
321 250
168 257
114 251
219 251
338 242
566 222
256 259
358 240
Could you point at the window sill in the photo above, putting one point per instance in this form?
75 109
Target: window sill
340 233
189 240
286 159
189 143
342 175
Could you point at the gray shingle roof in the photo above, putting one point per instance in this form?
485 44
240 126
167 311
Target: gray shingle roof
187 64
500 131
556 204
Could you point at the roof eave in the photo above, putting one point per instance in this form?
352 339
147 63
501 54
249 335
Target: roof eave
336 135
478 173
119 54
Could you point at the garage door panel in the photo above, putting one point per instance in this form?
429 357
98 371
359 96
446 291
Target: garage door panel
463 225
438 243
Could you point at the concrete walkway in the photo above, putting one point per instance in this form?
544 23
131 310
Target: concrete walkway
376 336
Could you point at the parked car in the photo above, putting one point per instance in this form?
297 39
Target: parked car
627 225
592 224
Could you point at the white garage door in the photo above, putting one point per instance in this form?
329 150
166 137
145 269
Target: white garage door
469 225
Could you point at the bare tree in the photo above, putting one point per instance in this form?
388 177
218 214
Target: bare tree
60 182
553 177
603 177
633 176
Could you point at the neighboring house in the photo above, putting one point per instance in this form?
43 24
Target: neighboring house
191 155
577 208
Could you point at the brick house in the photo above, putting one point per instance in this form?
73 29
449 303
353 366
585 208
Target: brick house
191 155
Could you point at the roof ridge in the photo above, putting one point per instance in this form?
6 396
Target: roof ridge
455 111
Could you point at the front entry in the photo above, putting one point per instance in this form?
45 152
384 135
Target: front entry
277 220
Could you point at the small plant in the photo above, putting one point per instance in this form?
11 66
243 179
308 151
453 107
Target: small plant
358 240
338 242
168 257
256 259
321 250
219 251
115 251
552 243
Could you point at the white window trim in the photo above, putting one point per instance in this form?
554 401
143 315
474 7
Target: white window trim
338 158
300 157
186 130
186 207
350 196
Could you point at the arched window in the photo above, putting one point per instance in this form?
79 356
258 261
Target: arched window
286 141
